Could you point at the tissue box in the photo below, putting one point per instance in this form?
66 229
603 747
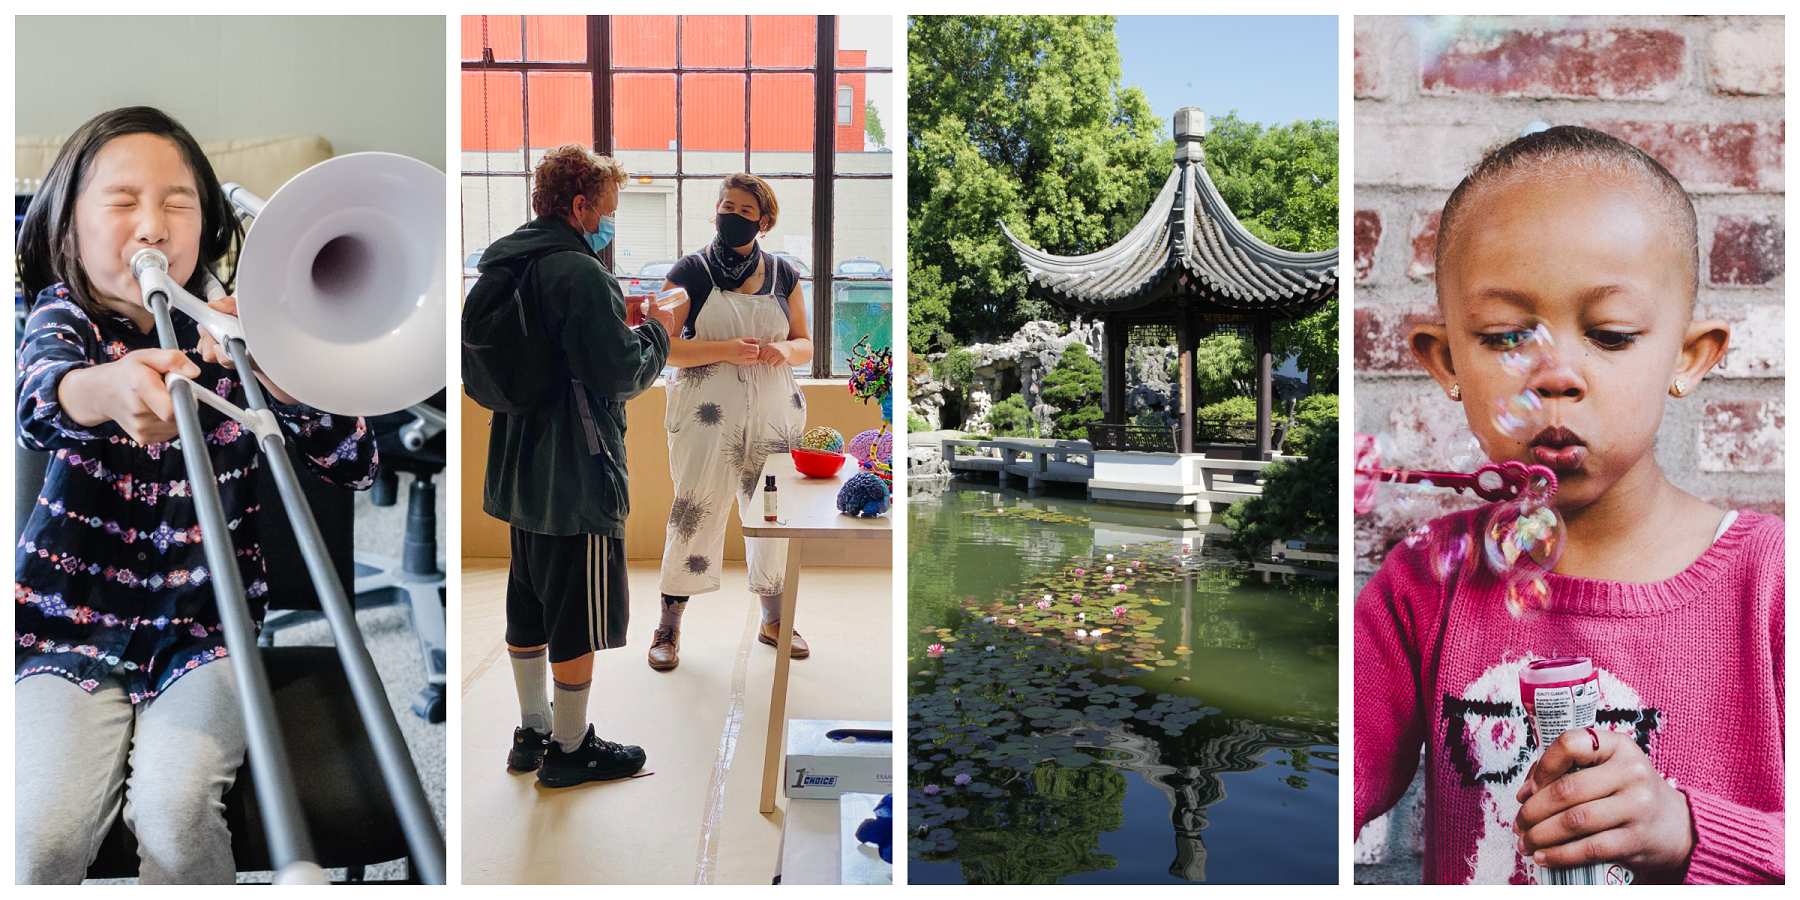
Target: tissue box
819 846
827 758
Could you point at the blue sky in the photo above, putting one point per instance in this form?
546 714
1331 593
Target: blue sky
1271 69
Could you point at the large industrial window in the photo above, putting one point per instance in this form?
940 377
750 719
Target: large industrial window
682 101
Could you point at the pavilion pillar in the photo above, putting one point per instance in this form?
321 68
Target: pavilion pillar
1265 384
1114 369
1184 385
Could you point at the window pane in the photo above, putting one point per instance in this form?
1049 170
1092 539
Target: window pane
644 122
561 111
712 122
640 41
712 41
491 207
865 145
699 199
493 122
784 41
556 38
645 245
862 287
865 41
502 35
781 122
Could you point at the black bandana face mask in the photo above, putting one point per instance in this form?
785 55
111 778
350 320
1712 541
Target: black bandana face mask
736 231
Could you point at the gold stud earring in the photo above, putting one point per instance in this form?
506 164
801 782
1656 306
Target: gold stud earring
1678 388
1455 391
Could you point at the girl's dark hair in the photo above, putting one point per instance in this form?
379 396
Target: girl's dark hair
46 245
1574 150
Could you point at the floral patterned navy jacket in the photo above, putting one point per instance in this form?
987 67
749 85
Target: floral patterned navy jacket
110 572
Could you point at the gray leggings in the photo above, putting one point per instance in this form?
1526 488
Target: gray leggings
79 757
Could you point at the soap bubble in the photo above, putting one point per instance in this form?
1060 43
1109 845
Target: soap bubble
1469 457
1519 416
1527 597
1449 550
1522 538
1535 350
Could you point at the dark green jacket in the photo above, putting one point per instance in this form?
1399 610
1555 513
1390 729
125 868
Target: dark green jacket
560 468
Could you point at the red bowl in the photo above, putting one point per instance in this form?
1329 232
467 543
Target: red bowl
817 463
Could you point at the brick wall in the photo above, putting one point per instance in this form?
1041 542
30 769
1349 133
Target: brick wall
1705 96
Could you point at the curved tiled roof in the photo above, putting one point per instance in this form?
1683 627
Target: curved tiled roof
1207 255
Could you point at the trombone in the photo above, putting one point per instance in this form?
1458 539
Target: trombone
342 294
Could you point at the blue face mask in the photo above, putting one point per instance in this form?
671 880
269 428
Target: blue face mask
604 236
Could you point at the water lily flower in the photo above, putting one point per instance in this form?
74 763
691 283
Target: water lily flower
1118 588
990 648
1012 621
1119 612
1049 599
988 619
1080 571
934 651
1075 597
963 778
1081 617
931 790
1109 570
1081 632
1130 571
1044 603
1109 557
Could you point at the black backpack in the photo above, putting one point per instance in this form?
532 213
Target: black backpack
508 356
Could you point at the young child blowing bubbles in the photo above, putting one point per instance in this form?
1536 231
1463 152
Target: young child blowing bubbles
1679 603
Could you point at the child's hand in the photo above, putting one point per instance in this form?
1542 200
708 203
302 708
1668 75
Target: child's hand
1617 808
210 349
213 352
129 391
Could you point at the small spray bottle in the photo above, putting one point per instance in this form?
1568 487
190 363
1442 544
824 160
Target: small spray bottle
768 498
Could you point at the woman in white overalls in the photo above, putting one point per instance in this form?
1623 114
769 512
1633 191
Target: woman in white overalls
732 403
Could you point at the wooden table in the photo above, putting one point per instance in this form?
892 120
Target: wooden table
806 516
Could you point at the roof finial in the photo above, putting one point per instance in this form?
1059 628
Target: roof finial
1190 134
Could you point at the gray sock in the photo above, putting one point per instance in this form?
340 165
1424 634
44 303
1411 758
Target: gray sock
531 668
672 608
569 723
771 608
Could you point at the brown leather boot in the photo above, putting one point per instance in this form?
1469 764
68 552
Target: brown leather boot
665 649
771 632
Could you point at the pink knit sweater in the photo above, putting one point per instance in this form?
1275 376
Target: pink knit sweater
1691 667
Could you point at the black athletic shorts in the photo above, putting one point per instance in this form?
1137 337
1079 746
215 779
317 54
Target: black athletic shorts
568 591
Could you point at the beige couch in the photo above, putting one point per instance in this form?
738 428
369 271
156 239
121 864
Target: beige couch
260 164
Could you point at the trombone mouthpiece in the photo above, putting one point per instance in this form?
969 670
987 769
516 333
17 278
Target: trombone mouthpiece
147 259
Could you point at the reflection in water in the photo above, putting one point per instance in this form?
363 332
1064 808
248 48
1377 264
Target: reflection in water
1045 687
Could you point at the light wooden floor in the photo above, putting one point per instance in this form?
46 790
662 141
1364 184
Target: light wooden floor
695 820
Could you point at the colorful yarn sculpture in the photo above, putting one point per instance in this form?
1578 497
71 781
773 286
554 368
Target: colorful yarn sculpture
823 437
874 445
865 496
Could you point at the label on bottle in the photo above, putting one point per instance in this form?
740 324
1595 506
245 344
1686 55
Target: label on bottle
1561 695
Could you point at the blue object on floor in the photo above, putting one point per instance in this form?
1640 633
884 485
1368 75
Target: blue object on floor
880 829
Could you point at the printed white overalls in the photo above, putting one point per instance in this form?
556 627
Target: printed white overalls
723 422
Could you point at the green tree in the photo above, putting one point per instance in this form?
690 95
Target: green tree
1312 413
1223 367
872 125
1073 387
1021 119
1281 181
1299 499
1010 418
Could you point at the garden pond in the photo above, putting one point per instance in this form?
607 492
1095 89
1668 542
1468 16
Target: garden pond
1171 720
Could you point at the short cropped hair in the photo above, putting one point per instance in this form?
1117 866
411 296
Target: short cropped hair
1575 150
758 188
567 172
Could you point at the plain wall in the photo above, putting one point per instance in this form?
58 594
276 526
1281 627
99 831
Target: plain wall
363 83
647 456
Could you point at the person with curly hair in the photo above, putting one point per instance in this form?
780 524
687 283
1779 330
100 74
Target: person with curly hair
556 472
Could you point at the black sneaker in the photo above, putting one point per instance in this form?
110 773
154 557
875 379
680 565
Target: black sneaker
594 760
528 749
